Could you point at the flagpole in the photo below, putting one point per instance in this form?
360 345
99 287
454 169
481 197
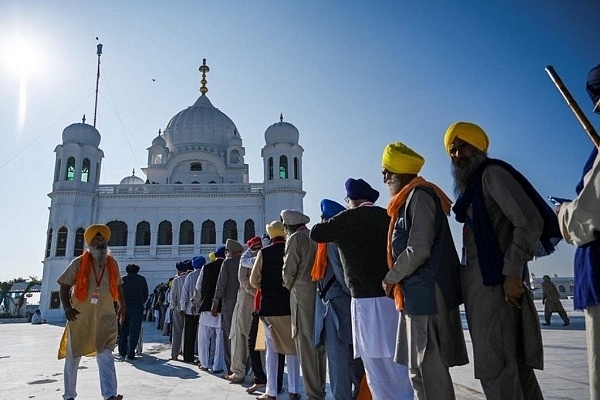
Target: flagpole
99 53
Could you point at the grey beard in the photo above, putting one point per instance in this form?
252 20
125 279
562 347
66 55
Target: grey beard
394 185
463 169
99 255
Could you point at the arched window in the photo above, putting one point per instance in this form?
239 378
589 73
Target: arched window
229 230
85 170
61 242
70 175
118 233
196 166
296 168
57 171
283 167
270 168
209 234
79 240
234 157
48 243
142 234
249 231
165 233
186 232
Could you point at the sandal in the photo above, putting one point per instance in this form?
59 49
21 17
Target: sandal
266 397
117 397
256 387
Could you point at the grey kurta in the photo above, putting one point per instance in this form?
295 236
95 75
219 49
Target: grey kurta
445 326
494 322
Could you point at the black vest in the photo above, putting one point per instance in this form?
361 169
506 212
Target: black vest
209 284
275 298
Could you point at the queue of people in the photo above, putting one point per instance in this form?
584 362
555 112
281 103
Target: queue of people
370 293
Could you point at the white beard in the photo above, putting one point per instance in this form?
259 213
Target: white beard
99 255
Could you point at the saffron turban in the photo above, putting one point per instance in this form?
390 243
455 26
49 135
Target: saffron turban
93 230
212 256
254 241
593 84
233 246
330 208
468 132
359 189
275 229
198 262
220 252
293 217
401 159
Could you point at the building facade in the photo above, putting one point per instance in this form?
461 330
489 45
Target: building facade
196 194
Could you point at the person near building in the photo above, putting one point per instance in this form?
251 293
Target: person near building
551 302
300 251
333 324
178 312
226 295
209 325
506 224
275 313
361 236
580 223
192 315
242 313
135 294
424 276
89 288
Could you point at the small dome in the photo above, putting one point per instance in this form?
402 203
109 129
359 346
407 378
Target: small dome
159 141
281 132
132 180
82 134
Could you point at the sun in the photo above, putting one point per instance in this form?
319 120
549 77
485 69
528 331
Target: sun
22 57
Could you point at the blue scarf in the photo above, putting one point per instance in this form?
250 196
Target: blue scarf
489 254
587 260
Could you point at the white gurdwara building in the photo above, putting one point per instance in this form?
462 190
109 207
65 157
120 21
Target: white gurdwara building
195 196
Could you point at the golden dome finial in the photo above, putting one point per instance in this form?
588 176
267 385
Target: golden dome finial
204 69
281 117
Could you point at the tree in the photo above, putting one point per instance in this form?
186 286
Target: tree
6 288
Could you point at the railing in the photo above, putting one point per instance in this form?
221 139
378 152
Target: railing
208 188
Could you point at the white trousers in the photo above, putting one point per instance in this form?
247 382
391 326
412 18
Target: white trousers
387 379
592 330
204 335
272 363
106 370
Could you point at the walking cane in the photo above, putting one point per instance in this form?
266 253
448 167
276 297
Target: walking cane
587 126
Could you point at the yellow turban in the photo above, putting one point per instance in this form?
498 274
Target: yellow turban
400 159
93 230
212 256
468 132
275 229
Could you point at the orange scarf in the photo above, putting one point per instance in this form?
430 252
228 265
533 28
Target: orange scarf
320 264
83 276
393 209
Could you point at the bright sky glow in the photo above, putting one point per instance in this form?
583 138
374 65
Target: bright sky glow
352 76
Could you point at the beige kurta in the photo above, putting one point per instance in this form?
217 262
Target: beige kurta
95 328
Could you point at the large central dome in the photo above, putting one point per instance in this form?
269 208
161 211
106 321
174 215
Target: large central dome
200 124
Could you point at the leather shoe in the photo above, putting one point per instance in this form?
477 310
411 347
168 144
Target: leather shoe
566 323
256 387
295 396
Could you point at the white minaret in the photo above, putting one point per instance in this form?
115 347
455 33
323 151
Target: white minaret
282 160
76 177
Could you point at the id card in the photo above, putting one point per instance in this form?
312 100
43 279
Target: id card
95 297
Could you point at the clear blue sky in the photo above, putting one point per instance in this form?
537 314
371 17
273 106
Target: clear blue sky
352 76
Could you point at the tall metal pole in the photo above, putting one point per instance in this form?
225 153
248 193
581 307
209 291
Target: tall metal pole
99 52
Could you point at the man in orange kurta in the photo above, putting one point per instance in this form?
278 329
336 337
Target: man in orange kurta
88 289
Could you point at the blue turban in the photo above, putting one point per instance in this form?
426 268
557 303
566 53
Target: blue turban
198 262
593 84
330 208
359 189
220 252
